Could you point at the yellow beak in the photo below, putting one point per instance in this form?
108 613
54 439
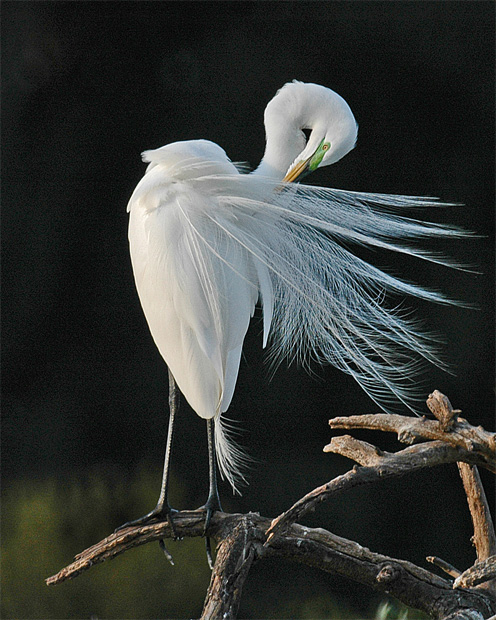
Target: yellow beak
294 173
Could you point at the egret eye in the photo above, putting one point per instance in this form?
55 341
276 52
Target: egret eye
326 146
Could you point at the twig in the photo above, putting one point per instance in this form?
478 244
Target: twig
409 430
443 565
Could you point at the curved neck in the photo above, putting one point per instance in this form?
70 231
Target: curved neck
284 117
284 143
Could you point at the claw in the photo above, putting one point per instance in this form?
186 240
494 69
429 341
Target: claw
161 544
209 553
159 513
212 505
208 518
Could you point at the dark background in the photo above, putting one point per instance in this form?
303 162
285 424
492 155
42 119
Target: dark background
87 87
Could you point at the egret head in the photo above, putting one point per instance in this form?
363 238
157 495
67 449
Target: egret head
321 111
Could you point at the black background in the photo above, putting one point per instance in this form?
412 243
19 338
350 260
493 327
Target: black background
87 87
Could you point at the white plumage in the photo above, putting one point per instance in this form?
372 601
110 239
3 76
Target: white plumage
207 242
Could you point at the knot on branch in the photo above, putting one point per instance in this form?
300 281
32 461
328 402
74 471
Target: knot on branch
406 436
442 409
389 573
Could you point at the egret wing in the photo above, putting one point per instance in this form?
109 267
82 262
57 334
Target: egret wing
197 287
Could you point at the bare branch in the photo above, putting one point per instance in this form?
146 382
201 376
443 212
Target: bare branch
453 440
235 555
191 524
484 536
377 465
410 430
441 407
241 539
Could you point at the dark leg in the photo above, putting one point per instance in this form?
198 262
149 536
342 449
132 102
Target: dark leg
163 510
163 505
213 501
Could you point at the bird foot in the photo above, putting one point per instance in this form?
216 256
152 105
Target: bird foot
159 513
212 505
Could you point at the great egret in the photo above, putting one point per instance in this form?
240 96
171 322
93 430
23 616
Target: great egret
207 242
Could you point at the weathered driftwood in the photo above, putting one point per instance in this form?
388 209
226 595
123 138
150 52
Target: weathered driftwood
242 539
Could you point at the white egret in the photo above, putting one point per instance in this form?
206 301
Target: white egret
208 242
